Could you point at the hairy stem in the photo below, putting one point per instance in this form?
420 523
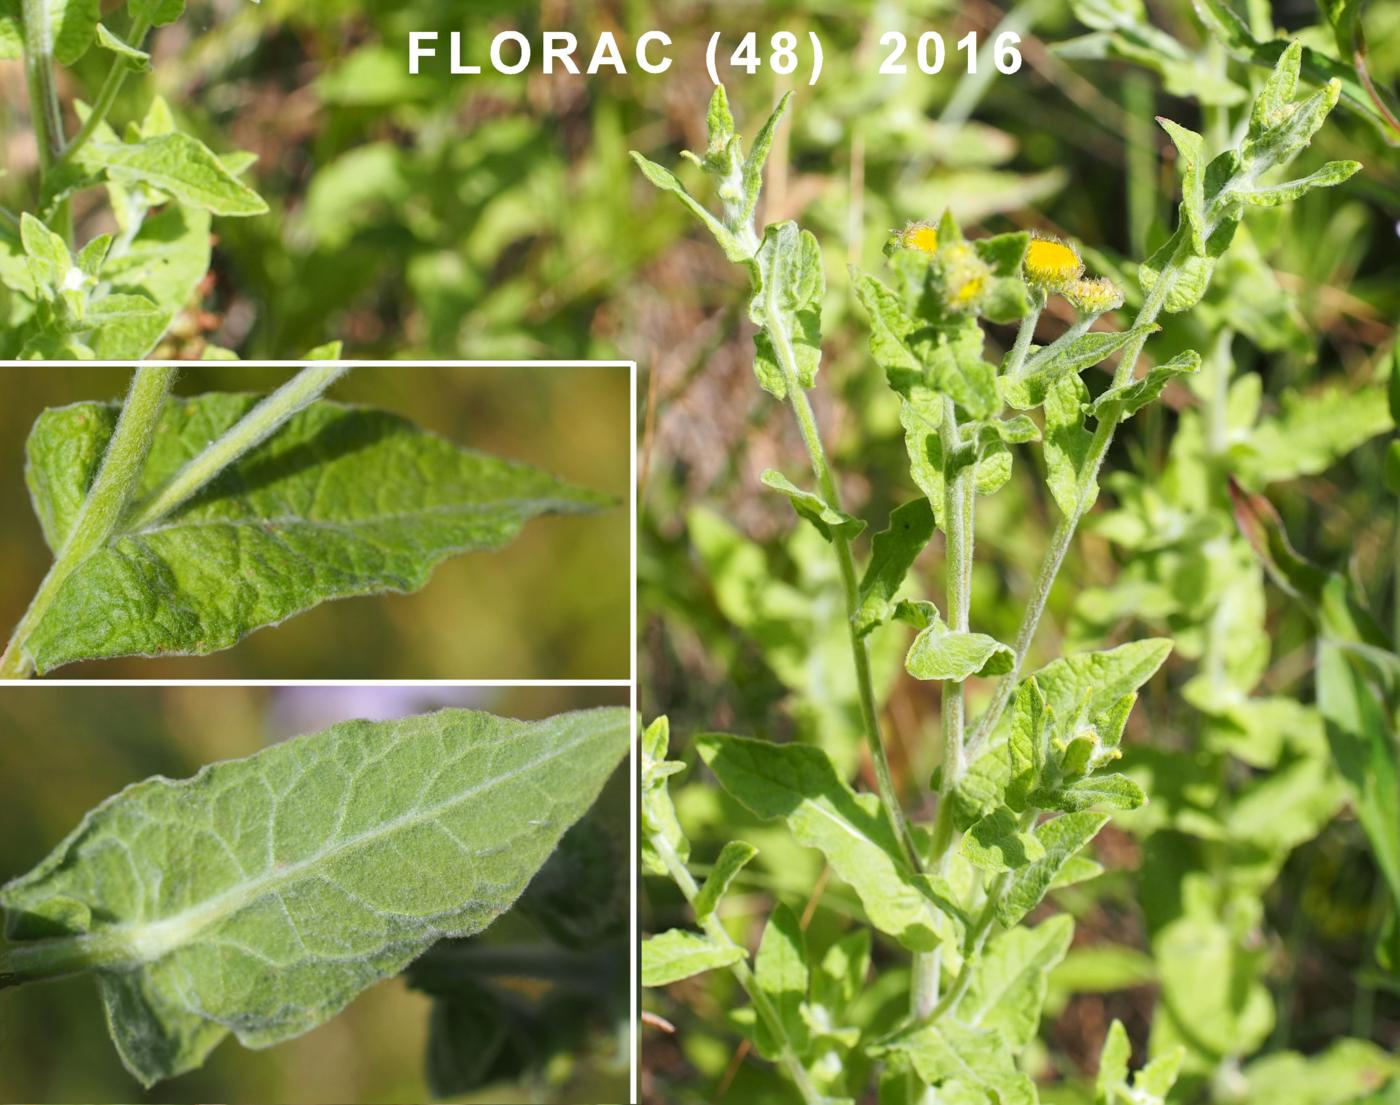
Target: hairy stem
107 94
1087 492
787 1056
826 484
1024 333
44 112
106 501
251 431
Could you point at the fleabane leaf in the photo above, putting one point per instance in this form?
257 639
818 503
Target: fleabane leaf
1136 394
182 167
341 501
787 308
667 181
1191 148
1272 195
1060 839
1009 981
781 972
137 60
799 784
941 653
262 895
894 551
676 954
733 857
828 521
1064 358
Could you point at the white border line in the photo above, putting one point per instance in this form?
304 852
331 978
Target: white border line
633 762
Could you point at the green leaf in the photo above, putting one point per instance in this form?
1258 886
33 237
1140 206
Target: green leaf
180 166
1272 195
263 894
341 501
1060 838
1136 394
1064 358
1010 979
158 13
1191 147
960 1060
1311 433
1115 792
1067 446
752 172
675 954
787 308
137 60
122 327
1093 683
997 843
666 180
799 784
732 858
894 551
165 262
658 812
1026 743
1361 734
829 521
1113 1065
780 970
940 653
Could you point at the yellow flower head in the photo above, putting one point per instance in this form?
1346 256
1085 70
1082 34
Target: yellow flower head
1094 297
964 276
1051 263
921 236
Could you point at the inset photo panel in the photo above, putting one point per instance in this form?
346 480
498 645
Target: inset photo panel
383 893
316 520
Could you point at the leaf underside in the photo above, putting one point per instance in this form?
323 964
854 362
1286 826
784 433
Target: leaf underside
261 895
342 501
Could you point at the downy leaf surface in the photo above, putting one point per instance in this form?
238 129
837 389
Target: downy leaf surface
263 894
342 501
799 784
675 954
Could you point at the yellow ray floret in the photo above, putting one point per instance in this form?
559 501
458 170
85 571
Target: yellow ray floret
920 236
1051 263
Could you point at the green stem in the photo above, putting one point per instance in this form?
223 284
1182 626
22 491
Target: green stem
1017 361
106 501
714 929
1084 499
826 483
38 72
106 95
251 430
959 514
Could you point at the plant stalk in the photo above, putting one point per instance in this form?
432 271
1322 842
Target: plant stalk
105 503
1087 492
787 1057
45 115
251 431
826 484
106 95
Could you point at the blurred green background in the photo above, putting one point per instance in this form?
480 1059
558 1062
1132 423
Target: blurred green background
555 603
63 750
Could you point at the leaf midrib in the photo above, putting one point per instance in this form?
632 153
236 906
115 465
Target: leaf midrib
151 940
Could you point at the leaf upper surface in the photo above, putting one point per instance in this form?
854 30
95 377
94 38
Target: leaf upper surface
261 895
342 501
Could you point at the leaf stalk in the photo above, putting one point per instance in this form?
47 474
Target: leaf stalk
106 501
